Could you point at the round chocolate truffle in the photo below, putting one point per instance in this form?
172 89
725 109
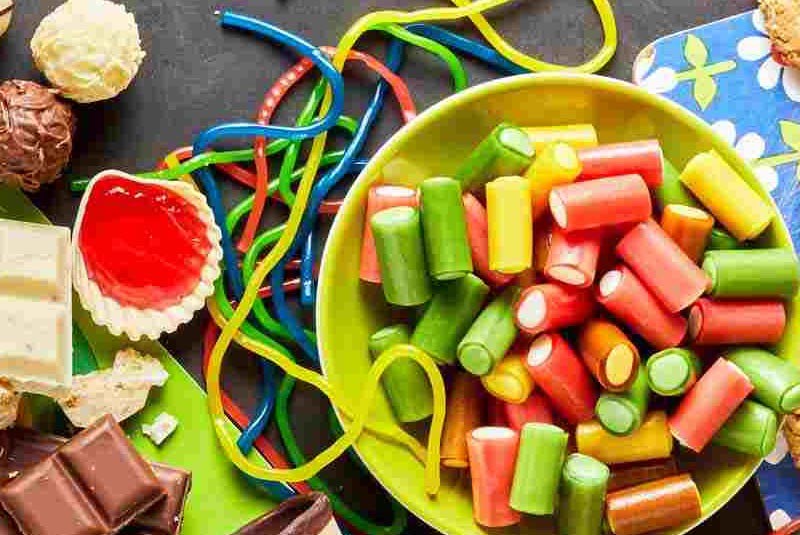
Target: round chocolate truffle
36 129
782 21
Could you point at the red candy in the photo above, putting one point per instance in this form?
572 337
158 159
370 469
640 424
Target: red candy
546 307
641 158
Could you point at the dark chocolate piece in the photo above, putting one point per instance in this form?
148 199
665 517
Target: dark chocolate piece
92 485
307 514
166 516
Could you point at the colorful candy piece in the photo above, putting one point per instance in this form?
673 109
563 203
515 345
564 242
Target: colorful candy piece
651 441
492 458
729 198
555 165
632 474
672 191
572 258
622 413
751 430
577 136
671 276
444 229
752 273
611 357
478 236
490 336
509 380
535 409
505 151
542 448
643 158
688 227
508 205
583 496
601 202
401 255
622 293
380 198
776 381
707 406
405 381
448 316
736 322
559 372
673 371
721 240
464 413
660 504
551 306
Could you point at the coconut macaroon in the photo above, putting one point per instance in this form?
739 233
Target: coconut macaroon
782 21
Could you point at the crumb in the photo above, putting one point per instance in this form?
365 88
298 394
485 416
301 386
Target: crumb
161 428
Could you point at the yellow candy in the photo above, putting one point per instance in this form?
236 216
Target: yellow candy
577 136
556 164
508 209
509 380
732 201
651 441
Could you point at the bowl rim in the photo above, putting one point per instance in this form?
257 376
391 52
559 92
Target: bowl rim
510 83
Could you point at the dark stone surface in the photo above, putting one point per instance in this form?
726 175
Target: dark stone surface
196 75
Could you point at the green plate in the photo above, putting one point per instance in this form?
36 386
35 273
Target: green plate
434 144
221 500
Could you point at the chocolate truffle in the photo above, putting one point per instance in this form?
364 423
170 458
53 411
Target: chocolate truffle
782 21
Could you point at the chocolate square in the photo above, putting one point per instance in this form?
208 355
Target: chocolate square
166 516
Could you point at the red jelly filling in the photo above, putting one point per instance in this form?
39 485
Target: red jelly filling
143 244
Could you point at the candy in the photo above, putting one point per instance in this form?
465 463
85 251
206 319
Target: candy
478 236
551 306
751 430
736 322
492 458
611 357
752 273
401 255
721 240
643 158
542 448
622 413
505 151
688 227
651 441
729 198
559 372
509 380
508 205
448 317
35 307
405 382
555 165
464 413
672 191
662 266
703 411
583 493
673 371
444 229
95 483
630 475
601 202
306 514
776 381
535 409
66 43
490 336
162 427
572 258
660 504
6 12
37 134
380 198
575 135
622 293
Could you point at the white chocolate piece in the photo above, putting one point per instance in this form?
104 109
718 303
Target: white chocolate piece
6 12
161 428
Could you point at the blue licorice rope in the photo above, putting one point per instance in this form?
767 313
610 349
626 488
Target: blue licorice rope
241 130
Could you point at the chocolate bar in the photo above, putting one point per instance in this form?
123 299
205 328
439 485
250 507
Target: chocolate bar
307 514
21 448
94 484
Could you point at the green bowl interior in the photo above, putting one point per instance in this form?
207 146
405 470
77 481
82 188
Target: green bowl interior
434 144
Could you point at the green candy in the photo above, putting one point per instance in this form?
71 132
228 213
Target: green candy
444 227
404 380
446 320
721 240
583 492
542 448
490 336
776 381
506 151
672 191
673 371
752 273
401 256
751 430
622 413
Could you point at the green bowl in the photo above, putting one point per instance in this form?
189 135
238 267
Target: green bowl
348 310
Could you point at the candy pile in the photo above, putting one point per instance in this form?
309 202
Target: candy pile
585 314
